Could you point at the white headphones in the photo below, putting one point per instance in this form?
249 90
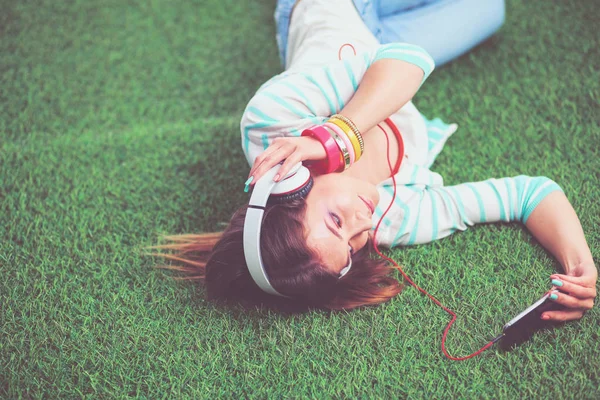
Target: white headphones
295 185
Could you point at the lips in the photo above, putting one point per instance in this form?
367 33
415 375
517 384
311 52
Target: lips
369 204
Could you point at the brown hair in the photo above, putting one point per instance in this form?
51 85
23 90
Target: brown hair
293 269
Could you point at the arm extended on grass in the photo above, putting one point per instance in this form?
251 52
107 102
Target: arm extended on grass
556 226
538 202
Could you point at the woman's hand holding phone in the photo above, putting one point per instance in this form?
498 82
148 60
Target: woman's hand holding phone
575 291
556 226
290 150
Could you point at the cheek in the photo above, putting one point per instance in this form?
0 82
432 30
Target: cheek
327 252
342 195
318 233
361 241
344 202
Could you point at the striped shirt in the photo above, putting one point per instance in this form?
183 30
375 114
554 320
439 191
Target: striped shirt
424 209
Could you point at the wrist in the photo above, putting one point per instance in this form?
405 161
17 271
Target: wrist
581 268
351 131
314 149
333 155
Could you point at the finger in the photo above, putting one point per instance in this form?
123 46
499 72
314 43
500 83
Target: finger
265 158
271 161
574 290
265 154
289 162
578 280
567 315
571 302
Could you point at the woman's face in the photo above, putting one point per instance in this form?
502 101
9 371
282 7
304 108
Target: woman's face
338 217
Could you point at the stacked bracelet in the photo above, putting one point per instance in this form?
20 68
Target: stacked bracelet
342 145
337 130
342 142
334 160
351 131
353 127
349 134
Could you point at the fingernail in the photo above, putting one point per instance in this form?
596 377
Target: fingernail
247 184
556 282
276 177
545 316
553 296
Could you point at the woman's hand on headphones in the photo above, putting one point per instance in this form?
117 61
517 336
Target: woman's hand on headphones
290 150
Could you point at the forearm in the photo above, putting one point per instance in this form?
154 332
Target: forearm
368 88
387 85
556 226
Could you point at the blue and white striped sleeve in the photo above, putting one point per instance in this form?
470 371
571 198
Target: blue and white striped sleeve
437 212
409 53
292 102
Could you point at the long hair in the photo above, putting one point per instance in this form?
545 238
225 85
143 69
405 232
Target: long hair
293 268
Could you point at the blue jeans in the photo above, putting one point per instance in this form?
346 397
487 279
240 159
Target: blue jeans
445 28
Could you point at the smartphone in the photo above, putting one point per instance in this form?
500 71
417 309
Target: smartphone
522 327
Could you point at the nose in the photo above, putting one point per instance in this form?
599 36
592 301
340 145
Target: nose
358 217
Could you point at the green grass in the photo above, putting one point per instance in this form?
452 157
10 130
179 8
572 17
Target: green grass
119 123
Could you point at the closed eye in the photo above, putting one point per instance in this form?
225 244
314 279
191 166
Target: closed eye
336 219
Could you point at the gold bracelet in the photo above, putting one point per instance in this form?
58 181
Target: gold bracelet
342 146
351 136
354 129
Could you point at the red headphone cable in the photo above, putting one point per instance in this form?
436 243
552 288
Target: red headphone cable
394 171
436 301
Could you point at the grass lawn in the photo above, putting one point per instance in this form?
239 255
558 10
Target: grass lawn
119 122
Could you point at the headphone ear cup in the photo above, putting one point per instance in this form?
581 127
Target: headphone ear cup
300 193
296 178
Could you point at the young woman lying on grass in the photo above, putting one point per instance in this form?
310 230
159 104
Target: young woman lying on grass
317 250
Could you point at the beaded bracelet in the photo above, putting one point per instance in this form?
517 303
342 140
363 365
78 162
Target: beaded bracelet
352 126
333 127
342 146
334 160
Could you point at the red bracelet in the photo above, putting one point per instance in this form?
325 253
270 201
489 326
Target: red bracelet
334 160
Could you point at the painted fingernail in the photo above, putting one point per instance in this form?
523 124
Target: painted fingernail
247 184
553 296
276 178
556 282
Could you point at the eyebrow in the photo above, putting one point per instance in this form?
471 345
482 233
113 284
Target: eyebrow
336 233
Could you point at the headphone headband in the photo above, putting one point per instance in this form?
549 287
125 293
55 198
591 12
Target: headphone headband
295 180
